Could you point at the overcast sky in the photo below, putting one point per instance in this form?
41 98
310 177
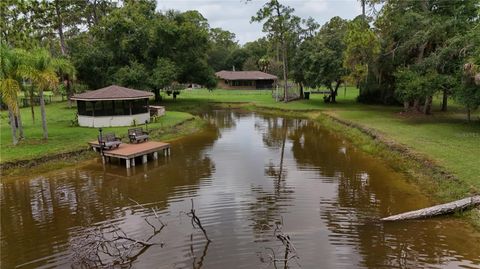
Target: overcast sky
234 15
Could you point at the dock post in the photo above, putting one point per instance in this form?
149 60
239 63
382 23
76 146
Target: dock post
127 163
103 159
164 152
133 161
155 155
144 158
168 151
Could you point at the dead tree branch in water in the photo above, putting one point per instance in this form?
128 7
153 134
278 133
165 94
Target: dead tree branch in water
196 221
289 252
111 246
106 248
153 210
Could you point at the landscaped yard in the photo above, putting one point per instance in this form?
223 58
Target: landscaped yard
444 137
63 137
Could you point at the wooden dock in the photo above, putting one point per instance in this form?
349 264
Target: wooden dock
129 152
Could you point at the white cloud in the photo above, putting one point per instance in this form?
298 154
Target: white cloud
312 6
234 15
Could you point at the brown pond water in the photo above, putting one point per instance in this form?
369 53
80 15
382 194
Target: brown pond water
329 195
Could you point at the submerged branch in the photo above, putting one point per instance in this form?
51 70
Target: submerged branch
290 252
153 210
196 221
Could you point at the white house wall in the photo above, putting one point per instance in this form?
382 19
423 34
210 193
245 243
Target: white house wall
112 121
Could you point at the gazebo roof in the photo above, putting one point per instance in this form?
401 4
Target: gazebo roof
112 92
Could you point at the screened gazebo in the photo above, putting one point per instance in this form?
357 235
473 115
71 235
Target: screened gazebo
112 106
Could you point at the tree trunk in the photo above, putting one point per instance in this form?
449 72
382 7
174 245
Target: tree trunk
158 97
69 91
277 54
60 28
44 115
468 114
329 98
335 92
437 210
421 52
301 90
363 8
20 124
428 105
406 106
13 126
416 104
285 79
32 104
445 100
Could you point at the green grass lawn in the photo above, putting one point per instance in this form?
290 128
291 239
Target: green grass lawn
191 98
62 136
443 137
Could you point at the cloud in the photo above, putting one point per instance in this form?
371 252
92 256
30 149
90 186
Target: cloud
234 15
312 6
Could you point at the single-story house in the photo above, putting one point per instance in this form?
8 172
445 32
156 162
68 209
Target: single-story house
112 106
245 80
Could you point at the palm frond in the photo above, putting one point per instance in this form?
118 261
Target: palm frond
64 66
9 88
49 80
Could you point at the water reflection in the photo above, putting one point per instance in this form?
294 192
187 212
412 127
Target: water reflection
363 197
198 260
222 119
38 214
246 172
267 207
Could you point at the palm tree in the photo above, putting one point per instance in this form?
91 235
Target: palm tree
43 70
67 73
11 71
43 77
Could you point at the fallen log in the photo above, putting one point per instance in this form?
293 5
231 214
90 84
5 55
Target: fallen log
437 210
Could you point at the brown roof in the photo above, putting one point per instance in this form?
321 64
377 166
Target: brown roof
244 75
112 92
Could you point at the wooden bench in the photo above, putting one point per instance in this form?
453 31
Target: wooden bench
109 141
137 135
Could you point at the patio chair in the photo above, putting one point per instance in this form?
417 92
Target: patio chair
137 135
109 141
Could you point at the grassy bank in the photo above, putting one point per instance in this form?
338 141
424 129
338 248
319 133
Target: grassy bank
64 138
443 139
438 152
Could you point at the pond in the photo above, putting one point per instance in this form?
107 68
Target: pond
252 177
